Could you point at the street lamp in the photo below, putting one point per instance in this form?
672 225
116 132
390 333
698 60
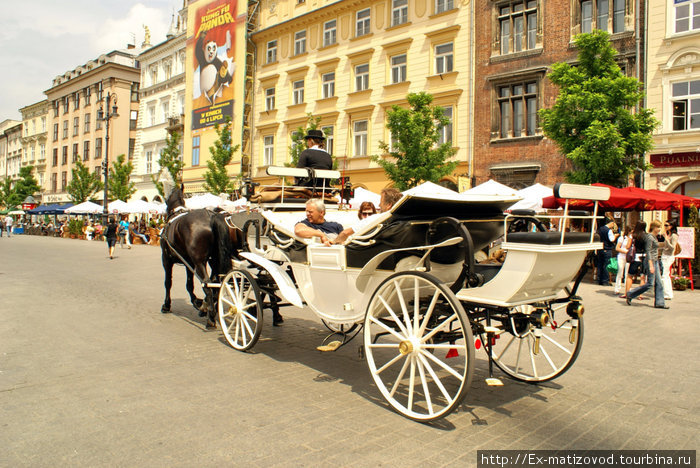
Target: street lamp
106 117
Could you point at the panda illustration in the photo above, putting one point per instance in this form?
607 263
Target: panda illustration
214 72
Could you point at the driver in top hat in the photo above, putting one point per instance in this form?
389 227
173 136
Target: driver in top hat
315 155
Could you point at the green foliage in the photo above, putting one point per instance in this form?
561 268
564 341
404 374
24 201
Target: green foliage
84 184
12 195
416 156
216 179
592 120
75 226
120 187
298 144
170 159
6 193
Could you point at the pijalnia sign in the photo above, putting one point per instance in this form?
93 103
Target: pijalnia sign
675 160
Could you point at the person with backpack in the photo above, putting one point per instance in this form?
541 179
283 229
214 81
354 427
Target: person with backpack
669 249
624 243
652 265
608 236
634 256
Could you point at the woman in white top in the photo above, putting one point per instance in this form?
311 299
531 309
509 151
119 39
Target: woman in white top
667 248
624 242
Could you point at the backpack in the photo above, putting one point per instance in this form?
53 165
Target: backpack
629 256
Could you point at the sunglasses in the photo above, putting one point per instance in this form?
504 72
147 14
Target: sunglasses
368 213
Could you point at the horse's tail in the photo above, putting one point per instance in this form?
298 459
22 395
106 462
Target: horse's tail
224 248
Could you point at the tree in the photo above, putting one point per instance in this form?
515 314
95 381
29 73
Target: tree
171 160
119 186
25 186
298 143
415 155
84 184
592 121
216 179
6 192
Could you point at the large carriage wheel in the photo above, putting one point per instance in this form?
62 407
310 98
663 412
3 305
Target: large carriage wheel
536 353
240 309
419 345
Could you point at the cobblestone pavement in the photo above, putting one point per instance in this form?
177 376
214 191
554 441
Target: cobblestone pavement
92 374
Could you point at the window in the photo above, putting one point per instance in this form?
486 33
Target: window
686 105
398 68
149 162
595 14
518 26
133 119
329 33
269 99
65 129
64 181
56 105
181 104
619 16
443 5
328 131
32 154
64 156
134 92
132 148
300 42
195 151
55 132
98 124
518 108
98 148
76 100
687 15
43 124
298 92
76 155
362 77
99 91
76 125
152 114
446 131
65 104
399 12
54 183
443 58
165 110
271 55
42 152
154 75
86 150
269 150
362 22
55 157
167 70
86 124
602 16
88 92
328 81
359 129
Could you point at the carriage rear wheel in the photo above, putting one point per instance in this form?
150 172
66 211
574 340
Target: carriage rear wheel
534 353
240 309
419 345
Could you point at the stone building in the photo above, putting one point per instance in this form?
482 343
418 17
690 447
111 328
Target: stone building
34 121
8 169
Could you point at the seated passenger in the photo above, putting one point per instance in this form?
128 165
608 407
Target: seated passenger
366 209
315 224
389 196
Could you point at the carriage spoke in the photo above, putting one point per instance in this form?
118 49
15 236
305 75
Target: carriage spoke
226 301
416 306
393 316
396 335
546 356
443 365
400 377
429 312
250 317
247 326
424 382
443 346
383 345
439 327
404 309
436 379
389 364
532 357
498 358
555 343
517 359
411 383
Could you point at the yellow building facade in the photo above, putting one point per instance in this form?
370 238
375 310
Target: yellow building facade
673 91
348 63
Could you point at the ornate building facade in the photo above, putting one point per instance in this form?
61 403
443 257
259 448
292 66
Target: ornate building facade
35 125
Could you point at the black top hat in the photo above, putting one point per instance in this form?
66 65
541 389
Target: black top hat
317 134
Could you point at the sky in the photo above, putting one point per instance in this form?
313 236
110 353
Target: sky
41 39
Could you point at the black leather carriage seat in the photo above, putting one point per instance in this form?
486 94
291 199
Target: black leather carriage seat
551 238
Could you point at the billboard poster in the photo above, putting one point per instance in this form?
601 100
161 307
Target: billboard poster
214 66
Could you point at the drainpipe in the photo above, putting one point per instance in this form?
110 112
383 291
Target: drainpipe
470 94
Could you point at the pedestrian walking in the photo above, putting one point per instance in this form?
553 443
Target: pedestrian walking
653 267
668 255
624 242
2 226
635 267
607 237
124 233
8 225
111 236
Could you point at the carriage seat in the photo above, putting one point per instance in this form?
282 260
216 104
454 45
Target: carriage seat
284 221
551 238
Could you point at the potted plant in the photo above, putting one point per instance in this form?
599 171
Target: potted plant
680 283
75 228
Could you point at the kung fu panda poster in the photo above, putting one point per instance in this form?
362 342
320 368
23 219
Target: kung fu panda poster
215 67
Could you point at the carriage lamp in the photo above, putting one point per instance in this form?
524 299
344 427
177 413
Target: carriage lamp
101 116
540 317
575 309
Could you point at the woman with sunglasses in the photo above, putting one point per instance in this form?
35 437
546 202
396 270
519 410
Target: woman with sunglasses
667 247
366 209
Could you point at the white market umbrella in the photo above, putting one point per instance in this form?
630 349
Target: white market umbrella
532 198
157 208
16 212
363 195
234 206
86 207
429 189
117 206
491 187
137 207
205 200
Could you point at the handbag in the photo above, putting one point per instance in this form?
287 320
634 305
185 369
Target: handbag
677 249
612 265
629 256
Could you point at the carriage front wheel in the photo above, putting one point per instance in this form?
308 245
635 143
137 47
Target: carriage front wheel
240 309
419 345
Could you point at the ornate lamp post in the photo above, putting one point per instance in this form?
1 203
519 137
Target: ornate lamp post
106 117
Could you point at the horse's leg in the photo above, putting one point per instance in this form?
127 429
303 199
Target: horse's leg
168 267
207 308
277 318
196 302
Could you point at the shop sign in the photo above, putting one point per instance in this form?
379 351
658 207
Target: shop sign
675 160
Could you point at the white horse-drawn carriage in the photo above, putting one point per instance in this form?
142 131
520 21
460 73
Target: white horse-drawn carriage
410 284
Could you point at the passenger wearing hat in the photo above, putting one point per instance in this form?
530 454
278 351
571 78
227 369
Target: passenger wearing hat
607 237
314 156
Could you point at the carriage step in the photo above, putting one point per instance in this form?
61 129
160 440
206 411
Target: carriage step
494 330
332 346
494 382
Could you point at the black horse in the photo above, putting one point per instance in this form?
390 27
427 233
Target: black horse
195 238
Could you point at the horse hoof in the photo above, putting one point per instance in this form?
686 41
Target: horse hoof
202 313
165 310
211 325
197 303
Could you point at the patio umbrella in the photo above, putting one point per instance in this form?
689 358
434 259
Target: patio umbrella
491 187
363 195
428 189
620 200
532 198
684 199
86 207
117 206
205 200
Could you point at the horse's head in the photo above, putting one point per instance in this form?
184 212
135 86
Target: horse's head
175 200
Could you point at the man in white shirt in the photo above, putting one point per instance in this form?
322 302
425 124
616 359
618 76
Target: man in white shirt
8 225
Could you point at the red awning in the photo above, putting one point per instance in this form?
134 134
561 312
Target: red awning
685 199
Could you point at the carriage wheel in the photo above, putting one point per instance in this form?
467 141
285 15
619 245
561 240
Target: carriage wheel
419 345
240 309
534 353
